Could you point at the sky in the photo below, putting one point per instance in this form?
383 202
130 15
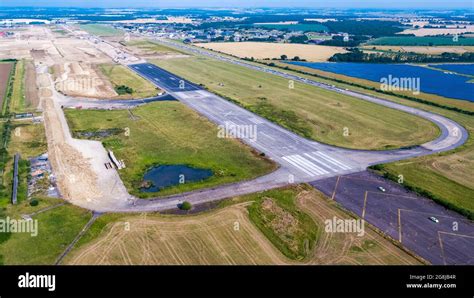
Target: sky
428 4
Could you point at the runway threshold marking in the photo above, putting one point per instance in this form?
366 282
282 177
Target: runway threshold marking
365 204
335 188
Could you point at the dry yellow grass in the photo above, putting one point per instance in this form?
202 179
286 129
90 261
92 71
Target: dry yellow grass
263 50
211 238
203 239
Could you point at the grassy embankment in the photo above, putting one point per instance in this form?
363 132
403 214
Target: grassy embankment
169 133
309 111
121 76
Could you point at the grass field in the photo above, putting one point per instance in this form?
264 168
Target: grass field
18 103
100 30
168 133
28 140
309 111
421 41
147 48
267 50
228 236
119 75
56 229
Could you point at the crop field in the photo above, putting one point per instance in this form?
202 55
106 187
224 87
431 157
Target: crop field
121 76
5 71
169 133
229 236
56 229
100 30
421 41
439 31
438 50
266 50
309 111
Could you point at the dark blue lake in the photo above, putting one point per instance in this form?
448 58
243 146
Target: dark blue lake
431 81
170 175
459 68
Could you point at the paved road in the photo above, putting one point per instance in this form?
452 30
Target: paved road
87 103
404 216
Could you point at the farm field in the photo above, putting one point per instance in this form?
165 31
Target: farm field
5 71
266 50
437 50
310 111
438 31
214 237
169 133
119 75
421 41
100 30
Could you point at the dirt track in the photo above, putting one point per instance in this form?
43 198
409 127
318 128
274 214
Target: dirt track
67 162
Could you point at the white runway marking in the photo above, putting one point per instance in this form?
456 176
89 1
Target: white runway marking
332 160
305 165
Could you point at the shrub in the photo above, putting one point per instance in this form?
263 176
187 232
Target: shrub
34 203
185 206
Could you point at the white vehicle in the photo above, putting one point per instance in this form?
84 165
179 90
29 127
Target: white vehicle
381 189
434 219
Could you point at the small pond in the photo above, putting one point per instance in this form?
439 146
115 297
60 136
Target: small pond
160 177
